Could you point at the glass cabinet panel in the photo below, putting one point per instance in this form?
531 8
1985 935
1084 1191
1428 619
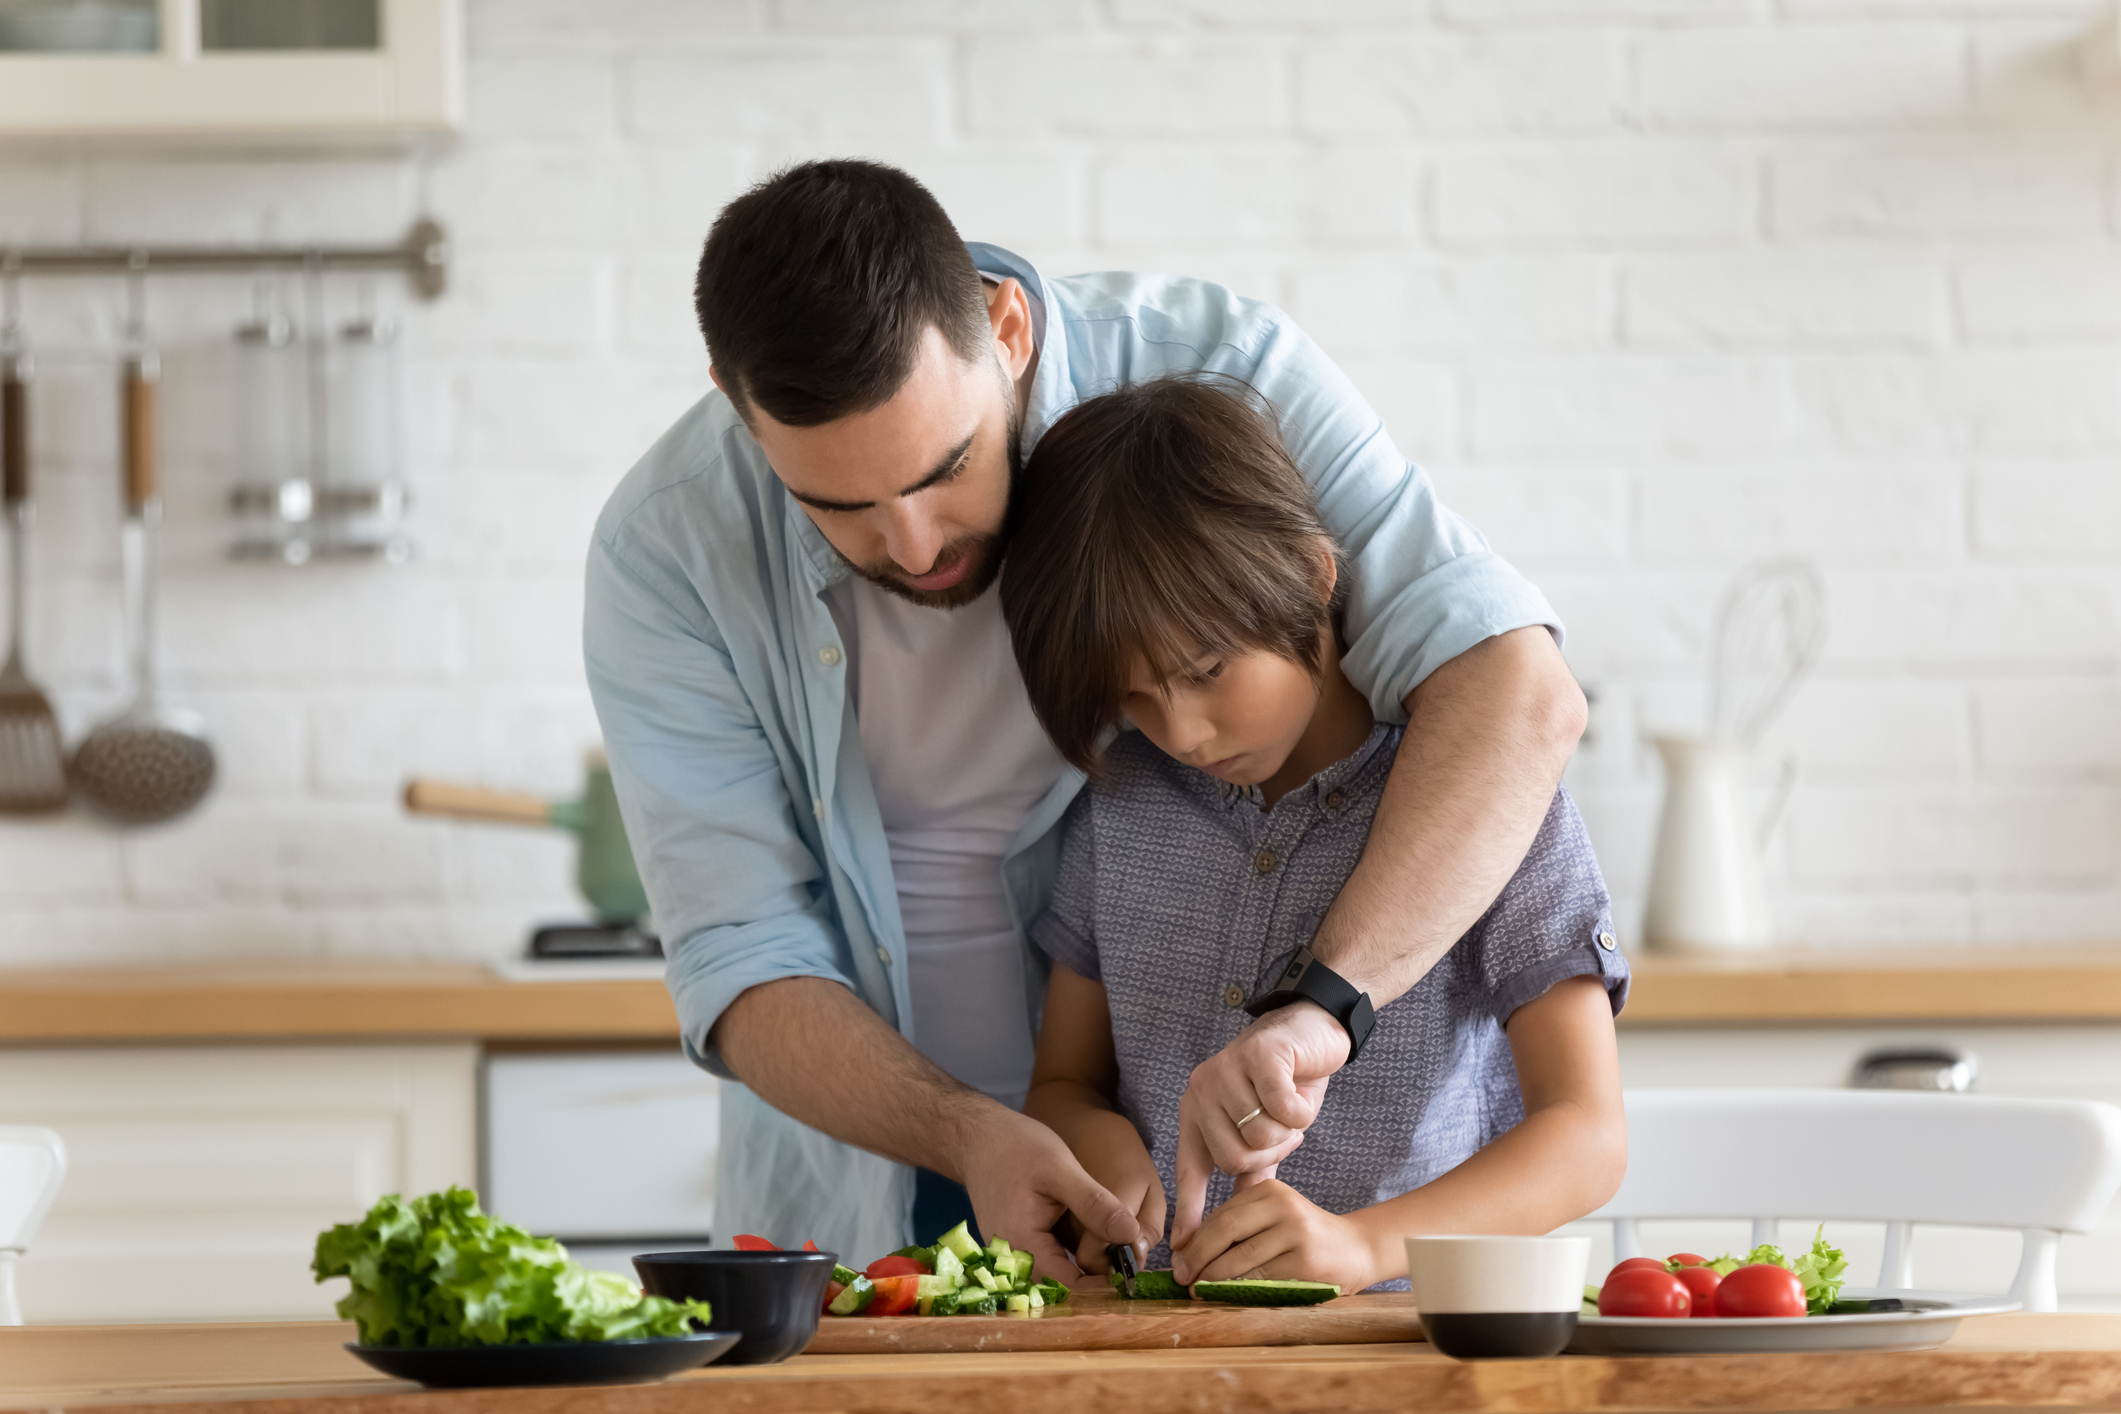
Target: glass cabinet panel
290 24
80 27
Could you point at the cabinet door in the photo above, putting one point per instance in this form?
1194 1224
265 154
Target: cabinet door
210 68
199 1177
2041 1062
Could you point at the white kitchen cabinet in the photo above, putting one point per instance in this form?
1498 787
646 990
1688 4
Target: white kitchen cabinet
2052 1062
228 68
199 1177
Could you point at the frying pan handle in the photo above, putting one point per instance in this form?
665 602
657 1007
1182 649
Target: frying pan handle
461 802
14 433
140 378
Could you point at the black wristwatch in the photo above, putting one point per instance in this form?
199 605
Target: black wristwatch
1306 979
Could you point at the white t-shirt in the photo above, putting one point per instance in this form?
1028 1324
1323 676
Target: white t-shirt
959 762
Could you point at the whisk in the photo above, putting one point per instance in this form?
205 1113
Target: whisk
1769 632
32 762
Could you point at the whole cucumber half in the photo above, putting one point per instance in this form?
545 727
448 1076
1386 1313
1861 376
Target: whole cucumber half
1266 1293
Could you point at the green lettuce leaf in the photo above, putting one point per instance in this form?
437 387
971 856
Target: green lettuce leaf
437 1271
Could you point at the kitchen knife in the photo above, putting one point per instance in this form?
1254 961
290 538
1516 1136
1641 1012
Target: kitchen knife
1121 1257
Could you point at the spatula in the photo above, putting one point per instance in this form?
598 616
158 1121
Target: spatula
32 761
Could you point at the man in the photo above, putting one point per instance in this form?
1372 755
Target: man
842 806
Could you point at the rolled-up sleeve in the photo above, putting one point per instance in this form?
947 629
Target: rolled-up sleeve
737 892
1423 585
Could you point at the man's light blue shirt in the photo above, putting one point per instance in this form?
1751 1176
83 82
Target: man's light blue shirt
719 670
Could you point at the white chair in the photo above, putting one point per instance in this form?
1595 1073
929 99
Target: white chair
32 1163
2044 1167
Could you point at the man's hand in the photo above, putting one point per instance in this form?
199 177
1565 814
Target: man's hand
1022 1179
1273 1232
1117 1160
1277 1065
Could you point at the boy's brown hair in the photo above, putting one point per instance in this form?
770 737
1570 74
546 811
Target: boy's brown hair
1161 522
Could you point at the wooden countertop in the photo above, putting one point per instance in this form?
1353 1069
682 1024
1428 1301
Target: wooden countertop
342 1002
1797 986
403 1001
2053 1361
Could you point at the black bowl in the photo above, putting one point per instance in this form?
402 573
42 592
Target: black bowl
574 1362
772 1299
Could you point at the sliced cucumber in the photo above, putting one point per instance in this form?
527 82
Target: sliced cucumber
985 1278
1266 1293
941 1304
844 1275
958 1242
855 1299
984 1304
999 1247
1053 1291
1019 1303
1157 1285
948 1265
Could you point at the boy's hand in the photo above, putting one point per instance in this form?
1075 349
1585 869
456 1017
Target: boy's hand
1126 1171
1271 1231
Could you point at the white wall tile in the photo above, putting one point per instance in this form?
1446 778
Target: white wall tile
1134 89
1370 87
1651 194
1802 300
1825 77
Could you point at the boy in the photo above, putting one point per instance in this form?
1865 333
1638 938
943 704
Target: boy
1169 571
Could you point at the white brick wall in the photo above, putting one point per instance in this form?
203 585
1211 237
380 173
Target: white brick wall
1654 287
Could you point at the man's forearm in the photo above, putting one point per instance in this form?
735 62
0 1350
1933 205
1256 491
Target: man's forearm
809 1048
1488 735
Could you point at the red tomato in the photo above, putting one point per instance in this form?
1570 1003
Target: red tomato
745 1242
1646 1264
810 1244
1644 1291
1701 1283
1760 1290
895 1295
1686 1259
894 1267
832 1293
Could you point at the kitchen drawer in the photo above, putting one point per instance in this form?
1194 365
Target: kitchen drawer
199 1177
2050 1062
603 1147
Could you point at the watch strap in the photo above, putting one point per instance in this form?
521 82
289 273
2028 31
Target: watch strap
1308 979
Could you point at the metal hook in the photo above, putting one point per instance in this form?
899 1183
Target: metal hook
136 297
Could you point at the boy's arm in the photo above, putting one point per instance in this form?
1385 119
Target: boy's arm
1565 1160
1073 1079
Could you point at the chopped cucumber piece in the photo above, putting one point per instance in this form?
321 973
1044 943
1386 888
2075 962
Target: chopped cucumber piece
1053 1291
985 1304
924 1255
844 1275
985 1278
1019 1268
855 1299
1034 1298
948 1265
999 1246
1019 1303
935 1285
1266 1293
1157 1285
944 1304
958 1242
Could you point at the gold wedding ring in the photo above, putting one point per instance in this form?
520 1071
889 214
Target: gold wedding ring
1248 1118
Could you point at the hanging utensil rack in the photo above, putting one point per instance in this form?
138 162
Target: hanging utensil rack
423 256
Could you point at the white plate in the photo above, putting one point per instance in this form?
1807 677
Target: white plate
1930 1321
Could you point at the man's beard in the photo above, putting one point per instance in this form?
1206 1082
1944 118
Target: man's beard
986 550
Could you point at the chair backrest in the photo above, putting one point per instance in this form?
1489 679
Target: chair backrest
2040 1166
32 1163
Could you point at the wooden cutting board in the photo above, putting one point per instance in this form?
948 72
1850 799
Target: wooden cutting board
1095 1318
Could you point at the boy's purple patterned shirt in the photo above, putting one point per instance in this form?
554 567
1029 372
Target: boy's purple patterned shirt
1185 898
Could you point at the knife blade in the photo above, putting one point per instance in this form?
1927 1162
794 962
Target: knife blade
1121 1257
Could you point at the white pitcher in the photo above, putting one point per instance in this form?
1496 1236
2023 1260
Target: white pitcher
1707 893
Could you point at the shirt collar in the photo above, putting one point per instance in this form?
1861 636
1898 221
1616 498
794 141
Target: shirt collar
1349 775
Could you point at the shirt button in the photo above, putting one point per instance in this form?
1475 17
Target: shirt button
1233 995
1335 801
1605 940
1265 862
883 955
829 656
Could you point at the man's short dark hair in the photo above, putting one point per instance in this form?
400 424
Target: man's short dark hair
816 287
1157 523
